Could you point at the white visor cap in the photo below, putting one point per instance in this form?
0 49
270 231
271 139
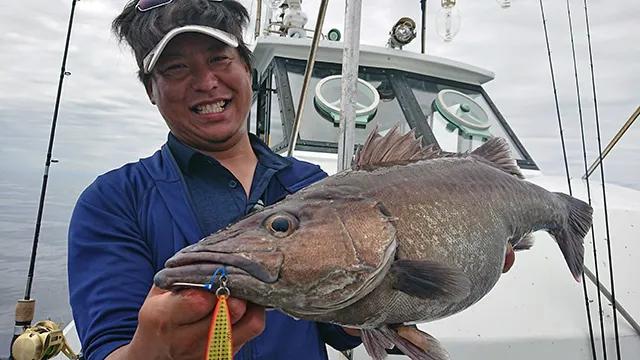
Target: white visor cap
152 57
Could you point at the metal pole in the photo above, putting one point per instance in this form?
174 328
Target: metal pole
307 75
350 59
423 31
613 142
258 19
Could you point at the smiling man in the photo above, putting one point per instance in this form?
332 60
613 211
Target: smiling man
197 71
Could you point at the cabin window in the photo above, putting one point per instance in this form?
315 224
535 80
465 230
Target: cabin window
426 91
405 98
266 120
317 128
276 133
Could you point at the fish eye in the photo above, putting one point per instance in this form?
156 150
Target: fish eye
281 225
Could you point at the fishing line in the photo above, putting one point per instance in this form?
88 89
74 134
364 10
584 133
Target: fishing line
604 192
566 162
593 237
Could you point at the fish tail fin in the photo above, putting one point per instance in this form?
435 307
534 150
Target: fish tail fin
570 235
412 342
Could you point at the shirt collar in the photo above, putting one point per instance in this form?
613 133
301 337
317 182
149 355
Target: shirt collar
185 154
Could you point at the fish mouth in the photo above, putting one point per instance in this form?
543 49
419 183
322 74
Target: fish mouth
199 266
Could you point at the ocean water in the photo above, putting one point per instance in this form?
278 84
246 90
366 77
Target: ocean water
105 119
84 150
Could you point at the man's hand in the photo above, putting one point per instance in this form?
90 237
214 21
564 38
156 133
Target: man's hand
248 321
509 258
176 325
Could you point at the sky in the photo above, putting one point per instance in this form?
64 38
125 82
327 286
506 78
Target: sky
106 120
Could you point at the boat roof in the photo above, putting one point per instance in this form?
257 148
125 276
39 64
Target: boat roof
268 47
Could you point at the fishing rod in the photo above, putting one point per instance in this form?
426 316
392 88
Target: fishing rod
603 184
307 76
423 30
588 186
568 176
258 27
25 308
612 143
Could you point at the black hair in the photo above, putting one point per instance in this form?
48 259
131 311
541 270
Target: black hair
142 30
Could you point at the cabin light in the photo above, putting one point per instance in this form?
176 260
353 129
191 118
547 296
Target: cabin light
448 24
402 33
504 3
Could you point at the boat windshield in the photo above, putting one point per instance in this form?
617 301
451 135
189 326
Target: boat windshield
317 126
427 89
404 98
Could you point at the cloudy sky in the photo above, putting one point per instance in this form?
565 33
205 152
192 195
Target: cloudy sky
105 119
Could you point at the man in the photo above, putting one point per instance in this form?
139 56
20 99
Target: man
196 70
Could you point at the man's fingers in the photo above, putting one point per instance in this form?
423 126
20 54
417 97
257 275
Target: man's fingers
249 326
237 308
509 258
194 337
183 307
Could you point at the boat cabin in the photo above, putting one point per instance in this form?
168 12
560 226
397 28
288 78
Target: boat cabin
441 99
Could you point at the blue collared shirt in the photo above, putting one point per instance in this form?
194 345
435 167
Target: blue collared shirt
129 221
215 193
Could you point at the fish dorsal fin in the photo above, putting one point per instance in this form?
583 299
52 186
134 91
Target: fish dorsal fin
392 148
497 153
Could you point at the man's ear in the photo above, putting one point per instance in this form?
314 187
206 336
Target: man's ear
148 85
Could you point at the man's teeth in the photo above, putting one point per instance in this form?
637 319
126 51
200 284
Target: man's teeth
211 108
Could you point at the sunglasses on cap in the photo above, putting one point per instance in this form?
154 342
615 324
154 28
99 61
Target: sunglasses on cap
146 5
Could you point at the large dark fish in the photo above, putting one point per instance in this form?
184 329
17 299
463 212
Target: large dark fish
408 235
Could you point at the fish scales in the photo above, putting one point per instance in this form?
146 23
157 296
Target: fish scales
439 222
409 234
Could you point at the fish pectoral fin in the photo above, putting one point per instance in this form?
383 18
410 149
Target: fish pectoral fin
429 279
524 244
412 342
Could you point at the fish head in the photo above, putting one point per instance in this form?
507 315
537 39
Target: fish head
308 254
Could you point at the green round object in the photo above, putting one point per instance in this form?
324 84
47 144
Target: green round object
462 112
334 35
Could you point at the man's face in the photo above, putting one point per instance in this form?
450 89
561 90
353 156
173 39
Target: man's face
202 88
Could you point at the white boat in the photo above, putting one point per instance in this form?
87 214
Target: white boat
537 310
